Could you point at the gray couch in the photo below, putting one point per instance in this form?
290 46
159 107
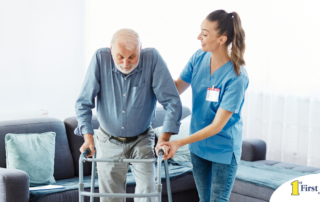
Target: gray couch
255 150
14 184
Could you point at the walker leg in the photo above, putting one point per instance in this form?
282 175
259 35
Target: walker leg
159 185
81 197
168 181
93 172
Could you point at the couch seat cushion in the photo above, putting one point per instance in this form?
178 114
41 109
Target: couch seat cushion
296 167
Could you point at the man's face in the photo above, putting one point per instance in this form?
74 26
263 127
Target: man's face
124 58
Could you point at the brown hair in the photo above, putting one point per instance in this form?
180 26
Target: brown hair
229 24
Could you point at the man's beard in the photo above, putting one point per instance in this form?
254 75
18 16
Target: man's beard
127 72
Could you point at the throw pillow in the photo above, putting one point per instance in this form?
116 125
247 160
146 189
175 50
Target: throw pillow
183 153
32 153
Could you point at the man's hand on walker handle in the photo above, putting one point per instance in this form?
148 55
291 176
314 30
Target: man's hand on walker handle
164 137
165 151
173 147
88 143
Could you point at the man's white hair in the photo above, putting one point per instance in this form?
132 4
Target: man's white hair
128 37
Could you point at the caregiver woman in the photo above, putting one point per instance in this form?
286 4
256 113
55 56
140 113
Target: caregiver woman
218 81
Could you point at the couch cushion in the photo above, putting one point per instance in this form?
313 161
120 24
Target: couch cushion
183 153
67 196
72 196
181 183
32 153
296 167
235 197
159 118
63 164
160 114
252 190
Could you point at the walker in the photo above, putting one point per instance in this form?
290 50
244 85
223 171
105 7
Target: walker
157 194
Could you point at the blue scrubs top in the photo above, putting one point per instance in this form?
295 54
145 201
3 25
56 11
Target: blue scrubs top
220 147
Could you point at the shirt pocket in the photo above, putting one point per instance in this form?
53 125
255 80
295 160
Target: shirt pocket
139 95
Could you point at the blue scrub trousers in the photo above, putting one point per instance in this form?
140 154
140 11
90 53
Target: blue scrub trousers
214 181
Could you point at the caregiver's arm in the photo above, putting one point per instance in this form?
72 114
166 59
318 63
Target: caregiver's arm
181 85
220 120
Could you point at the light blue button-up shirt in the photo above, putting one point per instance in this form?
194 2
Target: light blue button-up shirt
126 104
220 147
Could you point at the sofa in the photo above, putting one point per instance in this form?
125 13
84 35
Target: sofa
14 184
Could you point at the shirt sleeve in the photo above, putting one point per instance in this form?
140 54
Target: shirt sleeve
234 94
188 71
86 100
186 74
167 95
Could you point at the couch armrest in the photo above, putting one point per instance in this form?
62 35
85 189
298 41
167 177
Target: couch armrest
14 185
253 149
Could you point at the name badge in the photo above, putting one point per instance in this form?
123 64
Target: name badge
213 94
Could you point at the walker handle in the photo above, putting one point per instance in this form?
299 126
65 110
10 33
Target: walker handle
86 152
160 152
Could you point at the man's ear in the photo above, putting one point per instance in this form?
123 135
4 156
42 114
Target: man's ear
111 49
140 46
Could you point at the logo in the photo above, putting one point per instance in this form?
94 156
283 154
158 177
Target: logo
305 188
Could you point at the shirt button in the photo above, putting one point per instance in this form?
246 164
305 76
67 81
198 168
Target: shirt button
125 78
123 112
124 94
122 127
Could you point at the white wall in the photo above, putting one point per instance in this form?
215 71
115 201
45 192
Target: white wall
42 55
281 36
46 46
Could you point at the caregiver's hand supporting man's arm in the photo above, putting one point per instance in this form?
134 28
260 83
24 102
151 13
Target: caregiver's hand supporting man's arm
164 137
214 128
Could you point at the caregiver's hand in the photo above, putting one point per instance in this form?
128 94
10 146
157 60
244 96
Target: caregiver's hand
173 145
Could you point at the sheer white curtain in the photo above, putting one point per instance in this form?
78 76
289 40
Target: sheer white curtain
282 103
288 123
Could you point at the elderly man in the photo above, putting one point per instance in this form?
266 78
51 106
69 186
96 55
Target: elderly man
127 81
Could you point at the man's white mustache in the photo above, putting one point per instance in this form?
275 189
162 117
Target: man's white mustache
125 67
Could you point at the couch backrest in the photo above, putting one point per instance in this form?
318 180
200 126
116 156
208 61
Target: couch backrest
63 164
75 141
160 113
159 118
